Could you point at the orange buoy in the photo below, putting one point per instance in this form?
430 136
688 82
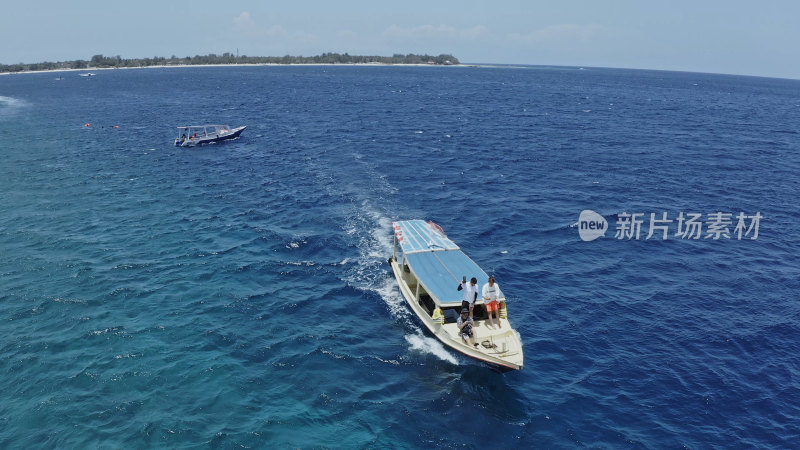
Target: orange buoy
87 124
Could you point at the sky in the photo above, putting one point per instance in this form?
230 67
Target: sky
734 37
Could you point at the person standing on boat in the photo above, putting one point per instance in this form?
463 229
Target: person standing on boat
491 292
465 324
470 294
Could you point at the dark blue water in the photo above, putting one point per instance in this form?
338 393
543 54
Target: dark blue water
237 295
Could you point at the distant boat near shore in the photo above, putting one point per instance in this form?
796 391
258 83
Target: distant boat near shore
191 136
88 74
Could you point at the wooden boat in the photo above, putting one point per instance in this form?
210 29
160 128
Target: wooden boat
205 134
429 267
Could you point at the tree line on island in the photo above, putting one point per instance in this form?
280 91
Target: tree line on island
101 62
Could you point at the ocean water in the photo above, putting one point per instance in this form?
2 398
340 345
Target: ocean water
237 295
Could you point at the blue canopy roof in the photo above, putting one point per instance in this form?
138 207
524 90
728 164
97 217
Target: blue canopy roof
438 263
419 236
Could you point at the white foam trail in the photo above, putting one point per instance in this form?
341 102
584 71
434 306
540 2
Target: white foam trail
431 346
371 231
375 248
370 271
10 105
390 294
11 101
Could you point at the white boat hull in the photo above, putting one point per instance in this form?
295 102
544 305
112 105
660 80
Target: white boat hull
505 348
210 138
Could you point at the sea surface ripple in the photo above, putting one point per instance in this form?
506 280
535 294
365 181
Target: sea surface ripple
237 295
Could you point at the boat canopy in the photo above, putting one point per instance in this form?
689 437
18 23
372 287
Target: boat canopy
204 126
212 129
437 262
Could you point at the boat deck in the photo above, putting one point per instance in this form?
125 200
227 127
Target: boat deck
498 339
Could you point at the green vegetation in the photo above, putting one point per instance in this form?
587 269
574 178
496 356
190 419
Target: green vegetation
100 61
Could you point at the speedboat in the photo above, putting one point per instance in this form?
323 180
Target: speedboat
205 134
428 267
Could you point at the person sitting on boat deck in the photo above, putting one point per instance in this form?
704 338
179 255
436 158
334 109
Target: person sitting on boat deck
491 292
470 294
465 324
183 137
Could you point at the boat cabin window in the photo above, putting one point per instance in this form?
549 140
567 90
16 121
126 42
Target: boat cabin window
426 302
479 312
451 314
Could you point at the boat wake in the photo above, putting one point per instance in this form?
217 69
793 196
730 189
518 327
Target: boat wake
428 345
367 229
10 105
370 272
10 101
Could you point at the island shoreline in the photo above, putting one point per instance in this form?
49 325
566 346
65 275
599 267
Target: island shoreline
180 66
98 62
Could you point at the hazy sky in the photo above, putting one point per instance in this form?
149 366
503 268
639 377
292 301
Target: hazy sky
740 37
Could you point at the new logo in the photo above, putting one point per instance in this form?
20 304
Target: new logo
591 225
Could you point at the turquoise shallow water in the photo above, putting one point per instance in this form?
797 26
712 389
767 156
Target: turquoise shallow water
238 294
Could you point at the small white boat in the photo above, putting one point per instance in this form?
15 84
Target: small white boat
205 134
428 267
88 74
